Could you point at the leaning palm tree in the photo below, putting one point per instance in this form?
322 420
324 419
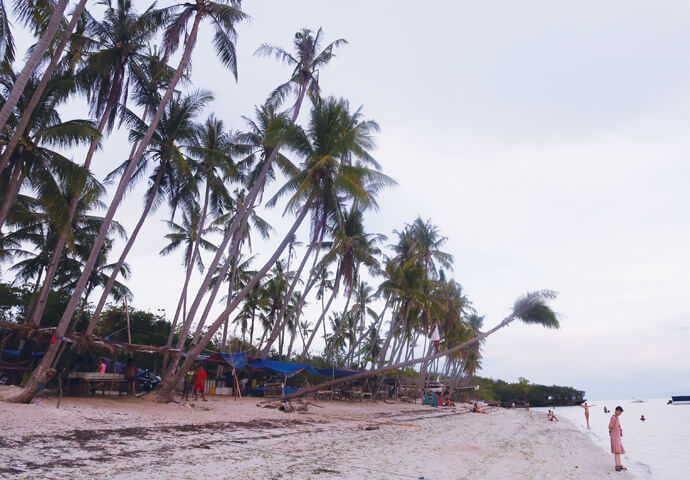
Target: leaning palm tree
6 39
24 12
190 234
172 176
532 309
118 47
303 80
31 165
323 178
63 40
224 15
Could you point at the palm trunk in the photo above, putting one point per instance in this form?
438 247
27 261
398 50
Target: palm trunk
339 331
60 245
282 317
38 93
182 304
233 256
42 373
323 314
322 386
31 64
168 383
123 255
391 332
13 187
251 329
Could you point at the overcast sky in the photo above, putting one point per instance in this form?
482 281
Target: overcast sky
548 141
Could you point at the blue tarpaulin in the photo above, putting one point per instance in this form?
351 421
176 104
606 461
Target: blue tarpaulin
16 353
262 391
237 359
282 367
336 373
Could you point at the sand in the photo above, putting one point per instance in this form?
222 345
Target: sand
123 438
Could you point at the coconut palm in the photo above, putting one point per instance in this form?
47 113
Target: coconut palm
328 178
118 47
190 234
224 15
35 164
38 91
24 13
306 61
304 79
175 131
319 184
6 39
532 309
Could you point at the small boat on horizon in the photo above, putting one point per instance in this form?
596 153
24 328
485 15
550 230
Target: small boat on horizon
637 400
680 399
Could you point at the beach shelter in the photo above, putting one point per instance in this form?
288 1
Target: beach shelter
285 368
235 360
336 372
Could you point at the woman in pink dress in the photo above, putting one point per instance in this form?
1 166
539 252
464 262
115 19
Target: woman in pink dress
616 432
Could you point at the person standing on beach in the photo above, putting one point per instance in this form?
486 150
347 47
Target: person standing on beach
586 407
199 380
189 377
131 377
616 432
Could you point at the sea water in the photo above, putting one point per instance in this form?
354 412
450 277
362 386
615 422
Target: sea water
658 448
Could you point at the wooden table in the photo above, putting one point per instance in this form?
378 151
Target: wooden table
89 382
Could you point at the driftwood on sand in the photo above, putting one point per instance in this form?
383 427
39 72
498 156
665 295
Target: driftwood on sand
288 407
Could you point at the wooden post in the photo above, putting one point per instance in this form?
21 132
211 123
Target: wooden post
129 332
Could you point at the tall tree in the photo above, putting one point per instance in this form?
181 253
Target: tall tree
34 59
224 16
532 308
118 47
323 177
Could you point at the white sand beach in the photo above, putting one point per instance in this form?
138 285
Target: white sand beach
224 438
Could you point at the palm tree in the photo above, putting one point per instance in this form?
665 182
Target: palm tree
354 248
327 177
150 76
322 180
304 79
306 61
360 310
224 15
6 41
24 13
35 164
119 48
213 167
175 134
532 308
37 96
190 234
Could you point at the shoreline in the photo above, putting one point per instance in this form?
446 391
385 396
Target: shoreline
125 437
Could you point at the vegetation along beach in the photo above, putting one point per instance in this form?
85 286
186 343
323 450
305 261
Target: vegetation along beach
305 239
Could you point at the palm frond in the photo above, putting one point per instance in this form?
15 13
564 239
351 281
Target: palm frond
532 308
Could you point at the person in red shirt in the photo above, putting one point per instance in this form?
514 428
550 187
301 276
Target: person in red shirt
199 380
